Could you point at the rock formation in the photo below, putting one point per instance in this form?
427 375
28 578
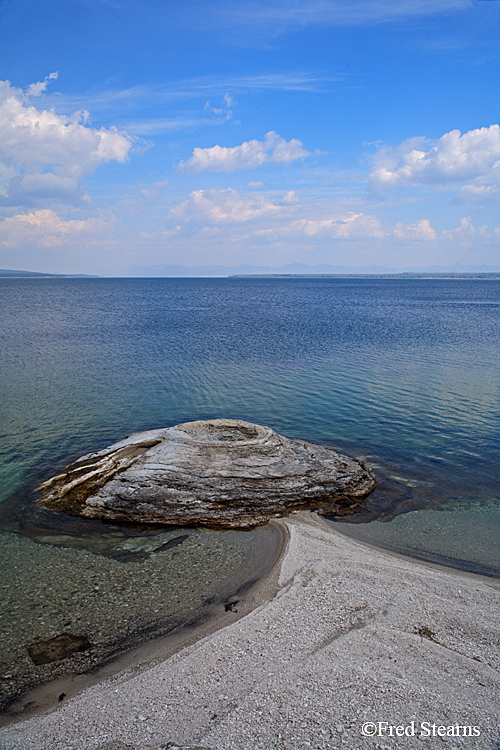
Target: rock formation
219 473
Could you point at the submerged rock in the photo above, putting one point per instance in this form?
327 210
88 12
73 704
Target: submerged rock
220 473
54 649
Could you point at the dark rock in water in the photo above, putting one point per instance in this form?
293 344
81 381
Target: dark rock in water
54 649
219 473
172 543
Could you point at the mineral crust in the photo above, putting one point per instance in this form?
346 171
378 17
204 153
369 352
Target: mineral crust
219 473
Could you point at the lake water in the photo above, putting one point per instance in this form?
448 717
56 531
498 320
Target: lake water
403 374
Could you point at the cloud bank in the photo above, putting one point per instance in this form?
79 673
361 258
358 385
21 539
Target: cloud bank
286 217
43 155
45 228
226 206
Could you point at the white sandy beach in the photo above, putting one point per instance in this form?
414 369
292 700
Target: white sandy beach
351 635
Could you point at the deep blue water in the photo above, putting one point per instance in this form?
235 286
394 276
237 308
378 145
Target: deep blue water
402 373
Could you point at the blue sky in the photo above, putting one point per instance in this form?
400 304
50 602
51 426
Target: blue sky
146 133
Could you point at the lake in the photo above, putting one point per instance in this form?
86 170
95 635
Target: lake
403 374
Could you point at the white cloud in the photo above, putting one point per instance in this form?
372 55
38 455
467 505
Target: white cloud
46 228
472 158
36 89
43 155
224 112
347 226
226 206
466 232
250 154
419 230
480 194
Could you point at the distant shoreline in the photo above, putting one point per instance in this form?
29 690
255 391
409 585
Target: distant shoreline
6 274
408 275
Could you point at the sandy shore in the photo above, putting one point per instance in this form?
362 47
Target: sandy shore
349 635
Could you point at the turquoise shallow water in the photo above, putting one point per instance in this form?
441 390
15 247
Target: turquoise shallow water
402 373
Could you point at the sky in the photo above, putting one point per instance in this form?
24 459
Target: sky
141 134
